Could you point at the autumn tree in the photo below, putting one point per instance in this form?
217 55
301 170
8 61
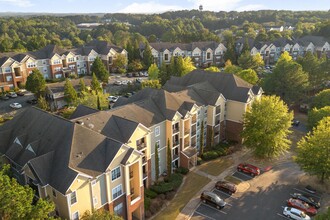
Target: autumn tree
92 100
100 70
151 84
100 214
212 69
266 127
313 151
248 61
169 159
249 75
288 80
70 94
120 63
16 201
230 68
153 71
36 83
135 65
315 115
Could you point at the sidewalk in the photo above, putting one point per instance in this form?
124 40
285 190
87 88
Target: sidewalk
189 209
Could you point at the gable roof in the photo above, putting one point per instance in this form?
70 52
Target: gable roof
59 86
47 52
55 161
203 45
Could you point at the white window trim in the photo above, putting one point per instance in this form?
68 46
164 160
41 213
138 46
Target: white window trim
73 214
157 128
112 180
76 198
121 187
95 200
122 207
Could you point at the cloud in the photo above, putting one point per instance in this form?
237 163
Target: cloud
252 7
149 7
19 3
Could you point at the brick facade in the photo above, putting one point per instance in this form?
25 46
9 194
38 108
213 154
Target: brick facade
233 131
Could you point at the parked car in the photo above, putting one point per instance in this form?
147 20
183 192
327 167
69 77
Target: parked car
226 186
136 74
20 93
310 189
129 75
138 80
127 95
113 99
212 199
310 201
4 97
15 105
117 83
295 214
296 203
32 101
124 82
12 94
249 169
295 122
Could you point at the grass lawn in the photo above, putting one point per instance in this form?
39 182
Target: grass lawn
191 186
216 167
233 179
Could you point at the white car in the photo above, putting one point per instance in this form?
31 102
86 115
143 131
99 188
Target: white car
113 98
124 82
15 105
12 94
118 83
295 214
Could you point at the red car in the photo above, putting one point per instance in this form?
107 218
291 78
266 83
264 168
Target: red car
298 204
226 186
248 168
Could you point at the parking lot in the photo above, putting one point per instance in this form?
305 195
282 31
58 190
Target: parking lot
4 104
265 199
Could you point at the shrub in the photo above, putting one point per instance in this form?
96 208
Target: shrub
182 170
199 161
176 180
150 194
147 202
210 155
162 187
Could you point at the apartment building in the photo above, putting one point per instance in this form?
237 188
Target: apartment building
75 167
55 62
203 54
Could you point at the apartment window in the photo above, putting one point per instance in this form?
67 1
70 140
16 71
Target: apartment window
71 59
57 62
118 209
57 69
158 144
73 198
116 192
166 57
7 70
54 193
208 55
94 200
9 78
72 66
157 131
91 59
115 174
31 65
75 216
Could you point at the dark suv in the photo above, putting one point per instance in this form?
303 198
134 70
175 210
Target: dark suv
226 186
212 199
248 168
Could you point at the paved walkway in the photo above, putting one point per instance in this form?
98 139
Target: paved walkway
189 209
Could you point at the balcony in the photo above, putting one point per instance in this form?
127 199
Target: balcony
141 146
218 110
186 132
144 160
175 130
175 157
131 175
193 120
176 143
216 133
193 132
145 176
186 145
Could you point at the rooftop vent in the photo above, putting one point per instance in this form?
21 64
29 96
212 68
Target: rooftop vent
80 122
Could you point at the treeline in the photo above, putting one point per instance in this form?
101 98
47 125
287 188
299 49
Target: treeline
31 33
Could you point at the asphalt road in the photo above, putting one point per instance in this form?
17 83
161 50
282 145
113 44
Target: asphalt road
265 199
4 104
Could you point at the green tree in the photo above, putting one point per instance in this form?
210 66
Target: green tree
164 74
246 46
201 140
313 151
230 68
36 83
120 63
249 75
82 86
148 59
70 94
98 103
16 201
153 71
315 115
100 70
135 65
151 84
212 69
156 163
169 159
321 99
247 61
288 80
230 53
266 127
90 99
95 84
323 216
100 214
43 104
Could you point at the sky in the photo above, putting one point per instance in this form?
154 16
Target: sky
155 6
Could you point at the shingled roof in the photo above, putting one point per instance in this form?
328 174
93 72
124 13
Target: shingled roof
231 86
53 160
203 45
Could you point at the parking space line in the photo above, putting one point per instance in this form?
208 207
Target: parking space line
283 216
304 191
230 196
204 215
245 174
215 208
236 177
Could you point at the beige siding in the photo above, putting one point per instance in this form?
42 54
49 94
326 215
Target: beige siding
235 111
